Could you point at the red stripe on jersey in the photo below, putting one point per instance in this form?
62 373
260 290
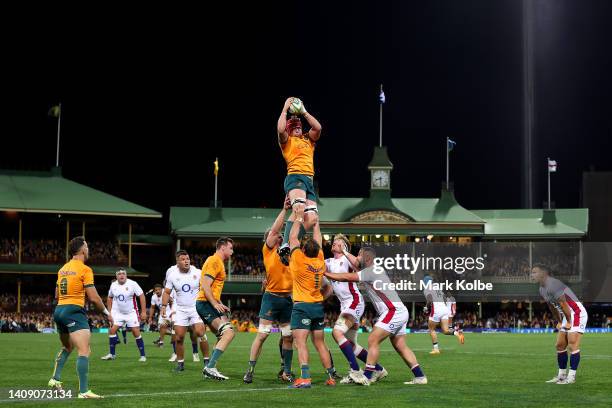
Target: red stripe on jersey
353 305
389 305
576 310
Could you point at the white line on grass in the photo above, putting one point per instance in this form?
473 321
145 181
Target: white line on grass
151 394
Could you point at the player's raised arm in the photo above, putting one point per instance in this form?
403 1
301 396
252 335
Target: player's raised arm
281 126
272 238
315 127
316 234
294 242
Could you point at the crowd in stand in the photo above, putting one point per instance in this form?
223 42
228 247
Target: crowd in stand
245 261
54 252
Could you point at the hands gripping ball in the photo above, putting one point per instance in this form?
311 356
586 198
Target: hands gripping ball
297 107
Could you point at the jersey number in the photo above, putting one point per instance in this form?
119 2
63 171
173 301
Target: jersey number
63 286
317 281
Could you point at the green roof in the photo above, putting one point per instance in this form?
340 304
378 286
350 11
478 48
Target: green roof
46 269
49 192
519 223
380 158
419 215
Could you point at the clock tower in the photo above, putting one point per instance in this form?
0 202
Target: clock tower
380 172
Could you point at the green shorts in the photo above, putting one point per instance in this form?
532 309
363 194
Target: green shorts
275 308
301 182
70 318
307 316
207 312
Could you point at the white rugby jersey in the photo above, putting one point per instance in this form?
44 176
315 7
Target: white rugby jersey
124 296
437 299
186 286
157 300
346 292
553 289
384 299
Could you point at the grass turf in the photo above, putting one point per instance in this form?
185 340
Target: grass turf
490 369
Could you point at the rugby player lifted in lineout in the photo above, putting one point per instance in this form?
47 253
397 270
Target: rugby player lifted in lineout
298 150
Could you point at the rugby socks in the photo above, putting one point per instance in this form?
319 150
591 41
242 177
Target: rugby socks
213 359
60 360
305 371
82 366
194 347
113 340
574 361
140 345
331 371
416 370
124 334
369 370
435 346
287 360
362 354
347 350
174 347
562 360
252 365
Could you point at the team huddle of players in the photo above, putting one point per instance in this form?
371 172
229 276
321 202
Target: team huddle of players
298 280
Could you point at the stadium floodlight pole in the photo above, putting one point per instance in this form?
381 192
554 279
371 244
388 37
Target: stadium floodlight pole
59 121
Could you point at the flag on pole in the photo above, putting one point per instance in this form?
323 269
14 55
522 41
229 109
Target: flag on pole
381 97
552 166
216 167
450 145
55 111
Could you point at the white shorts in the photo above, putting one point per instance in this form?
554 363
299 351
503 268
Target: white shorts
356 312
120 319
579 322
394 322
438 313
186 317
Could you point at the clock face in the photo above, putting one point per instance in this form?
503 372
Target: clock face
380 179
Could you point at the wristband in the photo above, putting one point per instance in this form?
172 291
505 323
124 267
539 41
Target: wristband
164 305
105 311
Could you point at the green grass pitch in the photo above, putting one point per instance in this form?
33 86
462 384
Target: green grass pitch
490 369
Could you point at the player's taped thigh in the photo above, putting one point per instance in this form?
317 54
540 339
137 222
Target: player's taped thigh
341 325
264 328
286 331
224 327
311 208
298 201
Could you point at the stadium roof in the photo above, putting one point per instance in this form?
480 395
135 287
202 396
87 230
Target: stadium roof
49 192
410 216
52 269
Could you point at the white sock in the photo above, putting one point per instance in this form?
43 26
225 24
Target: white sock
435 346
562 373
572 373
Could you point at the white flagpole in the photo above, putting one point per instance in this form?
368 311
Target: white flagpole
381 119
548 166
59 120
447 165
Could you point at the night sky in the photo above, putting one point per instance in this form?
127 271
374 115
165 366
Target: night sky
150 101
